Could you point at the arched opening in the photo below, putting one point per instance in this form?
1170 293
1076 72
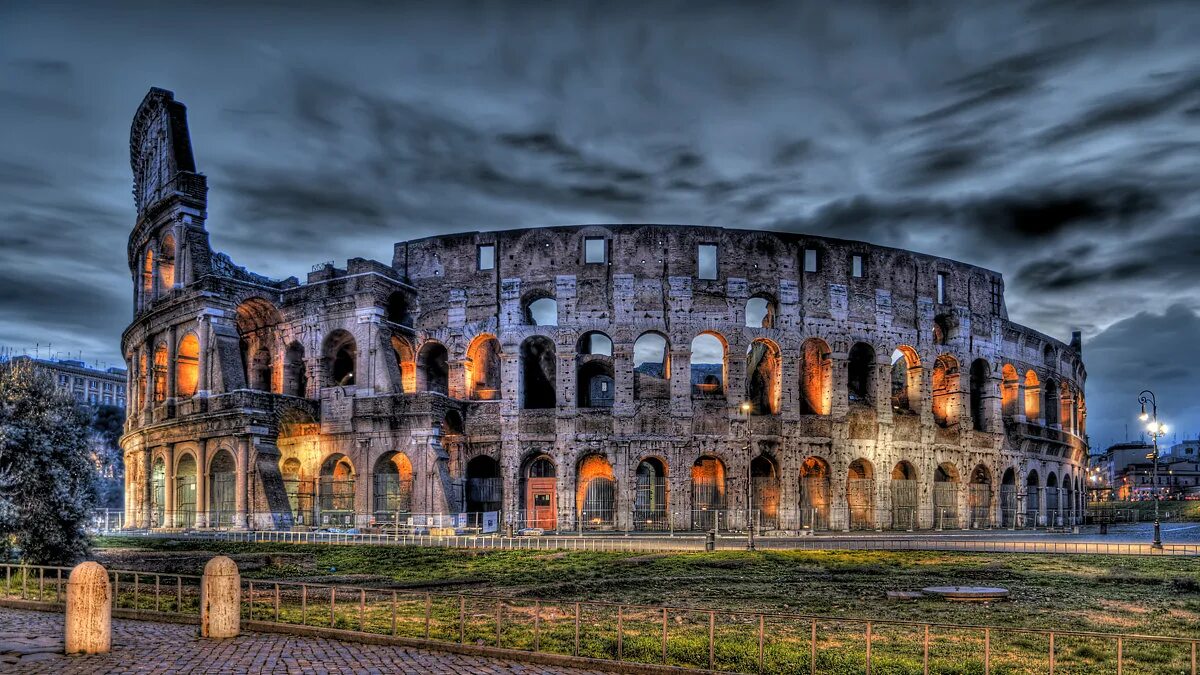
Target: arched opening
258 369
596 494
406 362
540 492
160 373
860 376
452 423
185 492
981 375
904 496
398 311
708 492
763 381
299 489
860 494
650 495
1008 498
1066 410
433 367
148 277
538 374
1053 500
979 497
708 366
335 492
187 366
595 385
764 481
257 320
651 368
541 311
1068 500
341 354
760 312
485 487
483 368
166 263
295 378
392 494
945 496
1050 403
906 380
1033 491
1009 387
945 391
1033 398
945 329
158 493
816 377
222 489
814 494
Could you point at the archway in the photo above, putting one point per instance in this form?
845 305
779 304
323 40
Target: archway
257 320
651 367
981 374
814 494
1053 500
596 494
1008 498
540 493
1050 403
483 368
335 492
945 391
185 492
760 311
485 487
595 385
763 381
392 494
860 494
764 479
1032 499
538 374
708 492
166 263
340 353
708 366
1009 387
904 496
398 310
906 380
187 366
979 497
160 373
1033 398
434 368
541 311
860 374
945 496
148 277
222 489
1068 500
406 362
295 379
650 495
158 493
816 377
299 489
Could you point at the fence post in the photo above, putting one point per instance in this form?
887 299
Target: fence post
88 624
220 599
712 646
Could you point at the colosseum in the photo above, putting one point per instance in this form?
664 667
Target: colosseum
594 377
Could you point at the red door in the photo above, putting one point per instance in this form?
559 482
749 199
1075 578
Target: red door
542 504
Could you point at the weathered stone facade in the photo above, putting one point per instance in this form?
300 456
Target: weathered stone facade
559 375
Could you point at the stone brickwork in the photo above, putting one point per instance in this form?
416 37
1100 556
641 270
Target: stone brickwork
851 385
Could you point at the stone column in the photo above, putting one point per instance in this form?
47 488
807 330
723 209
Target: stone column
148 400
202 327
179 233
169 519
148 474
202 484
171 365
241 482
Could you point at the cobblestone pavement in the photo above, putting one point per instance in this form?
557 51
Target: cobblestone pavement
31 642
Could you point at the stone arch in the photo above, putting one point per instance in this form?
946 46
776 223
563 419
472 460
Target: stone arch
483 368
764 381
538 374
1066 410
158 492
433 368
539 492
1008 498
981 383
1033 398
335 491
708 365
166 262
298 486
1009 388
222 489
160 373
485 485
392 488
815 493
406 361
539 309
816 377
1050 403
340 354
979 497
650 496
651 367
905 496
708 491
185 490
860 494
257 322
946 485
187 366
595 378
761 310
764 476
906 380
295 375
1053 499
945 391
148 285
595 493
860 374
1033 492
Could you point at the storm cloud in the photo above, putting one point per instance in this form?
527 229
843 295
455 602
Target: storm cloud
1053 142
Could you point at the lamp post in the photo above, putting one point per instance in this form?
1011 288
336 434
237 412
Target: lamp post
744 408
1155 429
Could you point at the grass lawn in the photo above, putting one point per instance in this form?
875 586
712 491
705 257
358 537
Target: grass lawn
1130 594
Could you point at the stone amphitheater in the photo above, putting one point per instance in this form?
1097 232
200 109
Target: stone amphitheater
595 377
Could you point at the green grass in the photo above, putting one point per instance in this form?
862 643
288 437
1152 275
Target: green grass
1128 594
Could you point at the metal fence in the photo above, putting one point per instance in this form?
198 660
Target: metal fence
692 638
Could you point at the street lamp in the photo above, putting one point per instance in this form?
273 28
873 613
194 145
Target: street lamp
1155 429
745 408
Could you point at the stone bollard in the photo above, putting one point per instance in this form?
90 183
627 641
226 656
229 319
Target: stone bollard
88 623
220 599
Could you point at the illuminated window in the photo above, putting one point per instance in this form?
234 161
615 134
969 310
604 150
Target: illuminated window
594 250
487 257
706 261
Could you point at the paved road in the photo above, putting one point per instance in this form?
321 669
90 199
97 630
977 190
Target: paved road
31 642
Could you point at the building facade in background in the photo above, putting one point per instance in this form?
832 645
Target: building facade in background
87 385
600 377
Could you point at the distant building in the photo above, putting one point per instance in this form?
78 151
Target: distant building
1185 450
90 386
1125 471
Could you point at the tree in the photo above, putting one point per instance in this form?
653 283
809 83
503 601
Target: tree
48 491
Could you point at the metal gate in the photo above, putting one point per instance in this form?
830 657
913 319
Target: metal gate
1052 501
708 498
300 498
945 505
223 502
814 503
766 502
979 501
904 504
485 494
335 503
1031 506
1008 505
599 505
158 499
185 501
860 497
650 503
392 498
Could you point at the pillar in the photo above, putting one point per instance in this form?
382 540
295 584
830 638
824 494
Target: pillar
169 519
88 622
243 458
220 599
148 477
170 397
202 323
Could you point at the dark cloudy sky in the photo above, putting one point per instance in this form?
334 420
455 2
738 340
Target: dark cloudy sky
1058 143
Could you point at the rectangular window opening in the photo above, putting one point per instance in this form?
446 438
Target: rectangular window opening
941 288
856 266
706 261
810 260
595 250
487 257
